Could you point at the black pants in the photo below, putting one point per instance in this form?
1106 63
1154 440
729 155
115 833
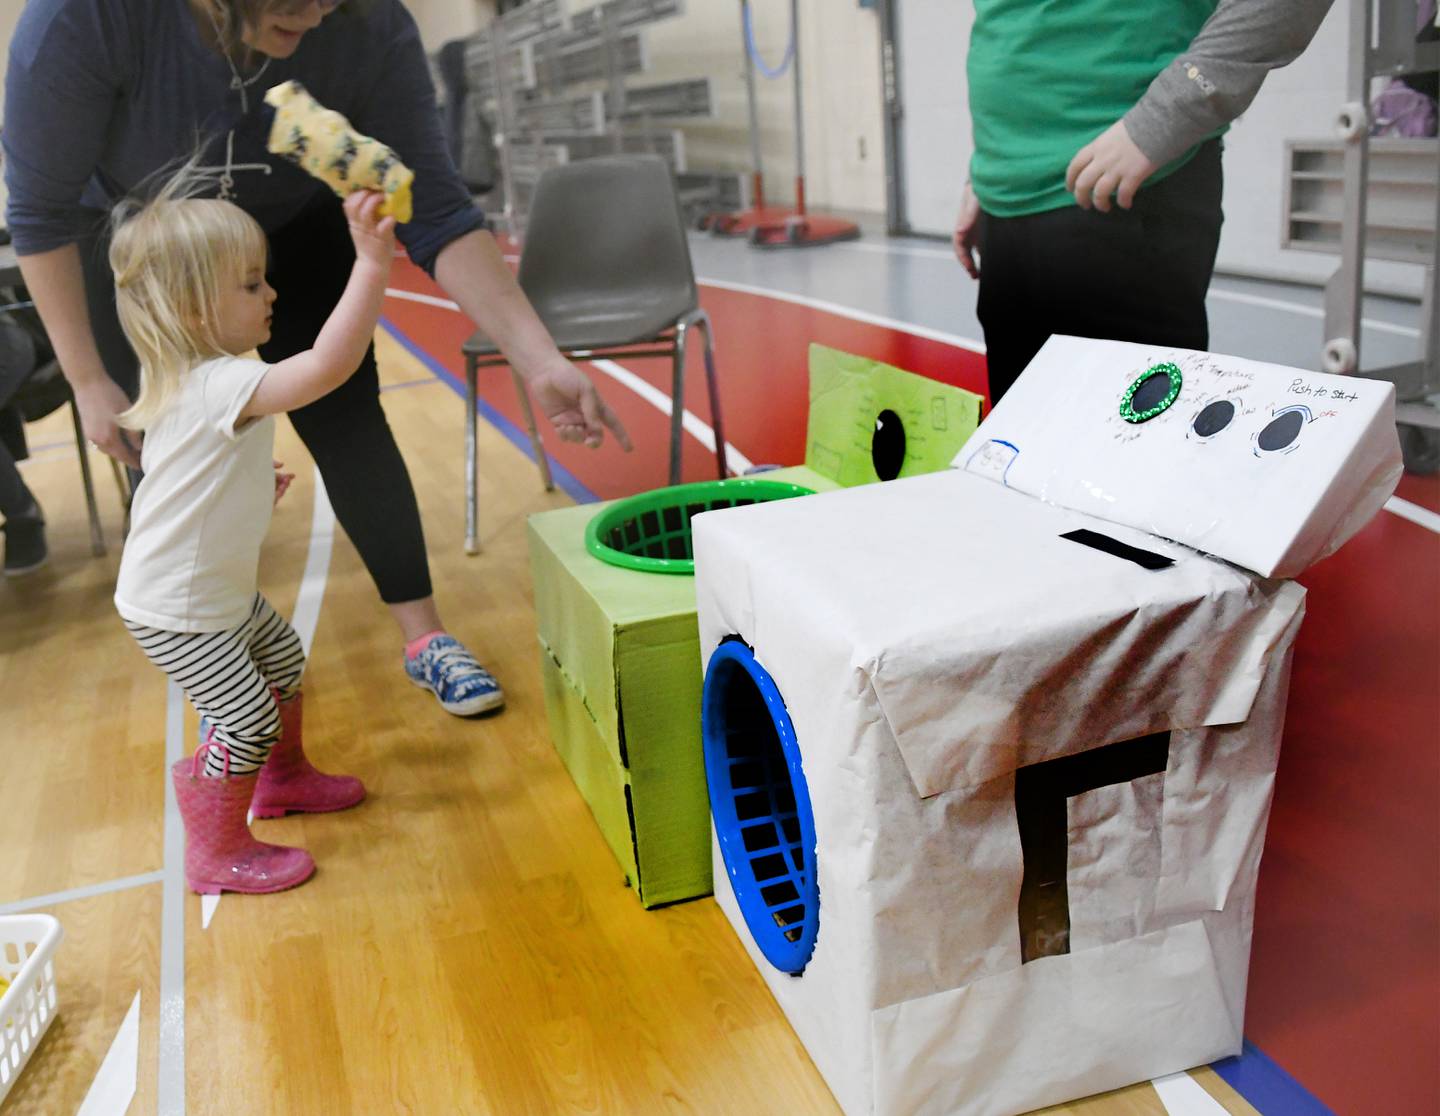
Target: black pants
17 364
345 431
1128 275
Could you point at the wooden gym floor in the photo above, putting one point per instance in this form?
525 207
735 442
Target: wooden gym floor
469 946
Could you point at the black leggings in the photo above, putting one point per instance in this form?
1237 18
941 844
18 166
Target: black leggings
17 364
1128 275
345 431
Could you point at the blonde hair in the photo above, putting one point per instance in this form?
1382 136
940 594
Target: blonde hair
173 257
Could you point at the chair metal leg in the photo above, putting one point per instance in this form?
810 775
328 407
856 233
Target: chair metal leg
127 495
535 443
712 385
122 484
677 399
97 535
472 541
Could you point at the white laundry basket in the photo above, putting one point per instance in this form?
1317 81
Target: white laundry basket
27 961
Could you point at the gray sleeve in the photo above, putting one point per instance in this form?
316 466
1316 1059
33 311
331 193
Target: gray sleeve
1215 79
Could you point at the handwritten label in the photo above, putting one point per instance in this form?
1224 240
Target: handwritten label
1319 391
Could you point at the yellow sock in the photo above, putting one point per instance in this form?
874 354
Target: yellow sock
322 142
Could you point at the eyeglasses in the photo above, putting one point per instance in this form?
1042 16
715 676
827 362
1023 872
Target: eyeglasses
295 7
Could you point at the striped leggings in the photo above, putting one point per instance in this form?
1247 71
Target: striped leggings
229 677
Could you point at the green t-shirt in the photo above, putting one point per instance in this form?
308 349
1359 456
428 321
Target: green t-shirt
1048 76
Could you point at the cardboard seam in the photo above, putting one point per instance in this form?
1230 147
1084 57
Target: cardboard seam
570 682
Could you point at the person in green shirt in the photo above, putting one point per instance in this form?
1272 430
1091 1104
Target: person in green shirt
1095 184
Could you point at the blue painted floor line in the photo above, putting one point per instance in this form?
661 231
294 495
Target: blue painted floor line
1265 1085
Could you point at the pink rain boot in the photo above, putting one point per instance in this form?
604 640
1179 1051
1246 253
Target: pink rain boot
288 782
221 854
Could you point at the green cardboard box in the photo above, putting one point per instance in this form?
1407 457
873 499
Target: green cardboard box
620 658
848 397
620 649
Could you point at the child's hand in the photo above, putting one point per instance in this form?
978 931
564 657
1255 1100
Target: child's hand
282 480
374 236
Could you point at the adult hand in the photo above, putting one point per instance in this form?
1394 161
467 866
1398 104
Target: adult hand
99 401
1109 165
967 230
572 404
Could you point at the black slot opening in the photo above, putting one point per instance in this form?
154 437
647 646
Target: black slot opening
1041 791
887 445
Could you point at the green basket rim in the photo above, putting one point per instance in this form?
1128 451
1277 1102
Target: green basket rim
675 495
1167 368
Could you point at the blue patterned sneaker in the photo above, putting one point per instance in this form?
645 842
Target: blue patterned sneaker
463 686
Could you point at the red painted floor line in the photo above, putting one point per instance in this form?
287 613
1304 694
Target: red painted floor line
1345 973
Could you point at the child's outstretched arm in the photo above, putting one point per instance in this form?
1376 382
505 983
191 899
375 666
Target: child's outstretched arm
347 333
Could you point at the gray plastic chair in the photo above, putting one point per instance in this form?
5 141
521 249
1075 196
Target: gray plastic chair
606 265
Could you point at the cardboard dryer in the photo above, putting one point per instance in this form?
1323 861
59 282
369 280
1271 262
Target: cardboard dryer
990 752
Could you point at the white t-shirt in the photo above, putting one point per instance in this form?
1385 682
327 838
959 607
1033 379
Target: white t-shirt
198 518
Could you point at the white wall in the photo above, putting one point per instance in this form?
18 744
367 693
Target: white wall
934 131
840 66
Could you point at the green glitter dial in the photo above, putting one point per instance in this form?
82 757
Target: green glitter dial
1127 403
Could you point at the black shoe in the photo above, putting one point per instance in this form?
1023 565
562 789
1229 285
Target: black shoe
25 550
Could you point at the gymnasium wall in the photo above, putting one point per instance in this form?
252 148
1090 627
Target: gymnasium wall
443 20
840 59
841 92
844 130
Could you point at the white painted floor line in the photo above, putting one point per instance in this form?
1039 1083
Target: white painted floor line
695 427
171 1084
919 251
114 1086
1414 513
1181 1095
307 611
1307 311
416 296
849 312
317 567
124 883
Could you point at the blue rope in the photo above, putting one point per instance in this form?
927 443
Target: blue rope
754 50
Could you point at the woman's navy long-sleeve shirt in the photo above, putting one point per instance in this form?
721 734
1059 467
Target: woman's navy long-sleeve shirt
100 94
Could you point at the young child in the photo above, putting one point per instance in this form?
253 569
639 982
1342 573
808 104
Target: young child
191 293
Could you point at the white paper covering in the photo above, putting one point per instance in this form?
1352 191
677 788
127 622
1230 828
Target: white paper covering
1058 436
930 636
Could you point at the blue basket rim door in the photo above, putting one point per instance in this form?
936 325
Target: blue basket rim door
748 851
